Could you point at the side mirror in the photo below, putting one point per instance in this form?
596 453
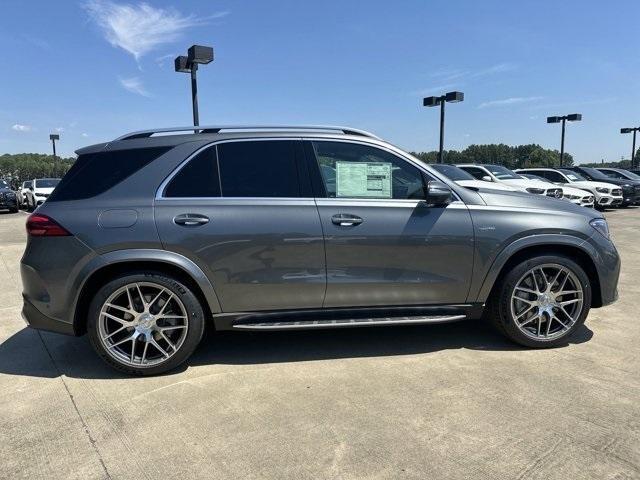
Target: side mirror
486 178
438 194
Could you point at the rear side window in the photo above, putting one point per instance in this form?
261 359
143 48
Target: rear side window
95 173
198 178
258 169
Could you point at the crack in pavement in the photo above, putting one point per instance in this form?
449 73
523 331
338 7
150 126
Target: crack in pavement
92 440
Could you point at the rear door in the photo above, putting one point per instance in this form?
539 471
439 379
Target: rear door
384 245
244 212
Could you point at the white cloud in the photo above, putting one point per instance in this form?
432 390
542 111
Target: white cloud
21 128
134 85
455 74
436 90
140 28
164 59
85 134
508 101
59 129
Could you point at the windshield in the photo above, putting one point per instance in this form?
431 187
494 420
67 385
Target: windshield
3 184
573 176
452 172
533 177
47 182
595 174
502 173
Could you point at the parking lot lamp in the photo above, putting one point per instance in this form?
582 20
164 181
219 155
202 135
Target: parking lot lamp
574 117
451 97
633 147
53 137
196 55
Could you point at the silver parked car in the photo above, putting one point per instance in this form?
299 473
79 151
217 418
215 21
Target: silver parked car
149 238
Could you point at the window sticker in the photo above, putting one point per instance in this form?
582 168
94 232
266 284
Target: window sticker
363 179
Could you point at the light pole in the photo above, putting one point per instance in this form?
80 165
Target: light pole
574 117
633 148
53 137
197 54
451 97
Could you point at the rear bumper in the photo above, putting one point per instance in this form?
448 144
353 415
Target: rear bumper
38 320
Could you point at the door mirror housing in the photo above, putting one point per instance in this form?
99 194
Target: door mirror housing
438 194
487 178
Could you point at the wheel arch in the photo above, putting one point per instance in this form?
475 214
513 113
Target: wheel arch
112 265
575 251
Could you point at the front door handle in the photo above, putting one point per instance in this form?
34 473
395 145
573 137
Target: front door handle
346 220
190 219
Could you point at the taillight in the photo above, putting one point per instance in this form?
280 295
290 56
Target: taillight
39 225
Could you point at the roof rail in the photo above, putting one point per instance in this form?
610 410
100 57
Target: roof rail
219 128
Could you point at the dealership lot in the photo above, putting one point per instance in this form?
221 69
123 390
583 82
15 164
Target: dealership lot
447 401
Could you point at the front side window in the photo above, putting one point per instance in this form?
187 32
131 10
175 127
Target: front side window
47 182
264 168
353 170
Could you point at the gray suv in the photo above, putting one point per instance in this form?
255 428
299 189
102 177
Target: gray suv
157 234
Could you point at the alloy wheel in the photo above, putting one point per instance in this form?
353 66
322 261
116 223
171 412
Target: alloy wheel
142 324
547 301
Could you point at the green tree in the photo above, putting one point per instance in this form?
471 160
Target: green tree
26 166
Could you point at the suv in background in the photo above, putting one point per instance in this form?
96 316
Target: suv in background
149 237
574 195
461 177
606 194
501 174
630 188
37 191
8 198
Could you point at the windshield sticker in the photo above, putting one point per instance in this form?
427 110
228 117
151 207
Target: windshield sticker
363 179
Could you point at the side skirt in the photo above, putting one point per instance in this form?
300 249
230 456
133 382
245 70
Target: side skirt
345 317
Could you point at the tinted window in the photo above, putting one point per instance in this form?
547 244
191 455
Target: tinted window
198 178
95 173
258 169
555 177
3 184
593 174
613 174
452 172
477 173
47 182
352 170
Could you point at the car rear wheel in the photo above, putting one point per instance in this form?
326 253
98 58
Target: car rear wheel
145 324
542 301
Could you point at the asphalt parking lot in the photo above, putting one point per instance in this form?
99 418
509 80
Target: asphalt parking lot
447 401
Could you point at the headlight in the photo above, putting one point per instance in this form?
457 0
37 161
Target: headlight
602 190
539 191
600 224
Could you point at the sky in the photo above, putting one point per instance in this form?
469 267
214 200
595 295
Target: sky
92 70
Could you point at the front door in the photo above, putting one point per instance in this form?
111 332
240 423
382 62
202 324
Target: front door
384 245
243 212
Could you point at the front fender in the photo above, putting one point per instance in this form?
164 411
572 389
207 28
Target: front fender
548 240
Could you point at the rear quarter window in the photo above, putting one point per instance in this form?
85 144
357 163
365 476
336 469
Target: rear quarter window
95 173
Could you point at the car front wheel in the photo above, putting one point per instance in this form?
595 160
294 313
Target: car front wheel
145 324
542 301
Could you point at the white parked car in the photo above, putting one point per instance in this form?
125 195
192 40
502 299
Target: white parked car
605 194
500 174
37 191
574 195
466 180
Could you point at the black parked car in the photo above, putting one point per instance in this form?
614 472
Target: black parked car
8 198
630 188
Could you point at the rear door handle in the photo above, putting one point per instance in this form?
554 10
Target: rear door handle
190 219
346 220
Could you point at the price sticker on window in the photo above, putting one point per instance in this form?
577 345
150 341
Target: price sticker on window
363 179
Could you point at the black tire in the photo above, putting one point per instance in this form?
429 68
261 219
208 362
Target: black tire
499 307
194 311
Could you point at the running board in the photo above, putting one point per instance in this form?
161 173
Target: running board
348 322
